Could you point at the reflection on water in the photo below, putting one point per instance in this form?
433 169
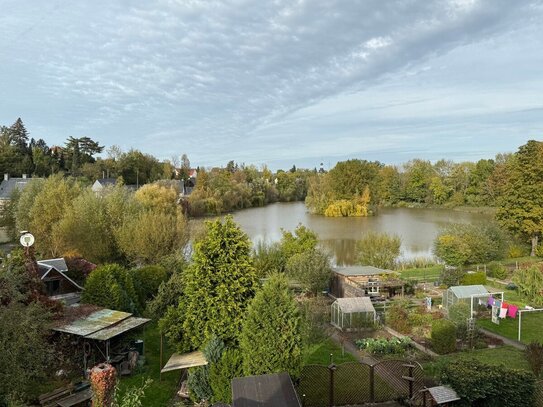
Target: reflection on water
416 227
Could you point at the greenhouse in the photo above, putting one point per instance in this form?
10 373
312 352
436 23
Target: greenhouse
353 313
468 294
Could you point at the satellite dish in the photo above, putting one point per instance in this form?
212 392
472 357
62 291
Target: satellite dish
27 239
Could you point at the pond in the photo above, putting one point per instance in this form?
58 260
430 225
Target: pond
417 227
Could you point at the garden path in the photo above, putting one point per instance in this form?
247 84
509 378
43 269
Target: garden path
505 340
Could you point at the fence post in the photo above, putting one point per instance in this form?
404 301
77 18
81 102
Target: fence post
372 383
332 368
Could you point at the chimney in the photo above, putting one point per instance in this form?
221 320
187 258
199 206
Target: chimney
24 176
6 177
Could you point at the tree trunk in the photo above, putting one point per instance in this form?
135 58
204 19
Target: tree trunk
534 245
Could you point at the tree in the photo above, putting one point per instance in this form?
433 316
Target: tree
221 374
158 197
418 175
147 281
112 286
149 235
302 240
26 356
268 258
311 269
272 337
379 250
521 206
218 285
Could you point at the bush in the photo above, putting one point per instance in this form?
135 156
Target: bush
443 336
199 377
383 346
517 250
497 270
451 276
111 286
473 278
459 314
479 384
397 317
378 250
221 375
534 356
147 280
311 269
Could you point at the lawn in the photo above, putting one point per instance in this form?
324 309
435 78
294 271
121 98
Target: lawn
423 274
506 355
532 327
319 354
160 393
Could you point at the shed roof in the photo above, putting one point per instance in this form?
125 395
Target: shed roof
443 394
466 291
355 304
271 390
95 321
117 329
184 361
58 264
360 271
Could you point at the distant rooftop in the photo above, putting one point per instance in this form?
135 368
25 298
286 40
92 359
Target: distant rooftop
360 271
8 185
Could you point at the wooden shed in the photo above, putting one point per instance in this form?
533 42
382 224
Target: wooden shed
361 281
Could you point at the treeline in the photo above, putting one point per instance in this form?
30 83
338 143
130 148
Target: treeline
357 187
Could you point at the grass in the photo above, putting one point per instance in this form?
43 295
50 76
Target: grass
319 354
160 393
532 325
504 355
424 274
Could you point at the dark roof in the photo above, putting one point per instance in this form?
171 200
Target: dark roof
272 390
7 186
360 271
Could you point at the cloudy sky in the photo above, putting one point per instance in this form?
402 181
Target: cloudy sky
277 82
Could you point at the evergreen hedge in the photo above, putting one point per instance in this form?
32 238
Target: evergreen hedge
443 336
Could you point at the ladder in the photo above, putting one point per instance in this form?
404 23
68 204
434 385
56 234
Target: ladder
471 332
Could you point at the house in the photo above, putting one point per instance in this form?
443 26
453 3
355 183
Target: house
361 281
9 184
58 285
102 183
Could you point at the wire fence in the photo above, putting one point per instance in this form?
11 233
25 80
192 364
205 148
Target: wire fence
358 383
538 394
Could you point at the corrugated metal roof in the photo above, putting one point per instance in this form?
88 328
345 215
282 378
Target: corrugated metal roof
184 361
355 304
117 329
466 291
360 271
93 322
443 394
272 390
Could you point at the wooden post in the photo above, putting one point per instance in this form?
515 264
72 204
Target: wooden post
372 383
331 369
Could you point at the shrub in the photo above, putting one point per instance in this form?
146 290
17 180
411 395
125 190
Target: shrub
169 294
517 250
459 313
397 317
443 336
222 373
147 280
199 379
383 346
311 269
268 259
534 356
473 278
497 270
451 276
111 286
479 384
378 250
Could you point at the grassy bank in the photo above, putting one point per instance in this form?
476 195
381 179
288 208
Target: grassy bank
532 325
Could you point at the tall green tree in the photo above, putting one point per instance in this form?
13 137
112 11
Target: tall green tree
521 206
272 338
219 284
378 250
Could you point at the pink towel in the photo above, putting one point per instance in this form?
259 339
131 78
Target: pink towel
512 311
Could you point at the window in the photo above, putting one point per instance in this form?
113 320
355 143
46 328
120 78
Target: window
373 287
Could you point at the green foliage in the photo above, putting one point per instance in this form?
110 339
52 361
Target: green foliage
451 276
26 357
477 278
268 259
378 250
521 205
496 270
147 281
132 397
199 380
222 372
112 286
459 314
311 269
479 384
302 240
534 356
8 214
168 295
383 346
461 244
443 336
217 285
397 316
530 284
272 337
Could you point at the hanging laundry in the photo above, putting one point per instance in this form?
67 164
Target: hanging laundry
528 307
503 312
505 305
497 303
512 311
490 302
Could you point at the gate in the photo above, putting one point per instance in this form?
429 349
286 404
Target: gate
358 383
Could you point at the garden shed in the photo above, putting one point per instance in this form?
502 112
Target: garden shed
463 293
353 313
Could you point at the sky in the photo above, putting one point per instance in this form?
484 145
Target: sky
277 82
